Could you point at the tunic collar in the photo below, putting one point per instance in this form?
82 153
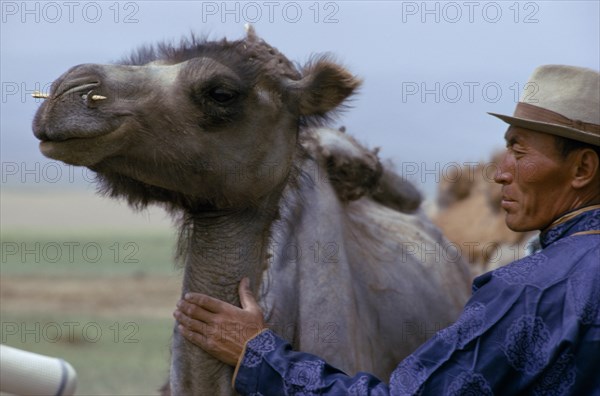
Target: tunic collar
579 222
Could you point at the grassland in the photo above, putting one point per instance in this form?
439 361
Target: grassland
97 296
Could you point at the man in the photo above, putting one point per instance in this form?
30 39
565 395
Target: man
531 327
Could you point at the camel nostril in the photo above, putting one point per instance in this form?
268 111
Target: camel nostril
91 99
76 87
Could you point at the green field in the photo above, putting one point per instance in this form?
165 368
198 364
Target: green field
99 300
126 356
90 253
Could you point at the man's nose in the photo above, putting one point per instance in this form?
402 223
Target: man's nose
503 174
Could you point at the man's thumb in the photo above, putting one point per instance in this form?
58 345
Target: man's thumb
246 297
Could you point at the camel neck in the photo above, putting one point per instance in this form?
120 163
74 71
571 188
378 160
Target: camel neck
222 248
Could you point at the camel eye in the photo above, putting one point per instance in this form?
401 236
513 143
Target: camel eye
222 95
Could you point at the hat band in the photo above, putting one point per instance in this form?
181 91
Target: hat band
535 113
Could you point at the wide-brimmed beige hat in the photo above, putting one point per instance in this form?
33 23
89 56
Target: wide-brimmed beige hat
561 100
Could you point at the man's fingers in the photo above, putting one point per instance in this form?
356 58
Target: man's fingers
194 311
194 337
206 302
191 323
221 329
246 297
217 306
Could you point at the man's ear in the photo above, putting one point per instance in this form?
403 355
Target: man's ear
324 86
588 168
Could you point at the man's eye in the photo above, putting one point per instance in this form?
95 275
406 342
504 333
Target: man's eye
517 152
222 95
514 148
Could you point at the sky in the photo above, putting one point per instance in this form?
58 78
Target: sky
431 69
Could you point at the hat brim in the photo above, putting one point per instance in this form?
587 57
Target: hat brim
554 129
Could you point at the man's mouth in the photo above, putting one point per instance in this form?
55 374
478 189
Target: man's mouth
507 202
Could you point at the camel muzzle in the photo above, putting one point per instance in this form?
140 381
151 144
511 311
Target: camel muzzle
81 104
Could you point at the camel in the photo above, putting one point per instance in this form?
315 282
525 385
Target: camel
231 138
469 214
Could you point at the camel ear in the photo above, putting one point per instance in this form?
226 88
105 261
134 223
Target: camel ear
324 86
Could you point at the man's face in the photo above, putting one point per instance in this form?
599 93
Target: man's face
536 183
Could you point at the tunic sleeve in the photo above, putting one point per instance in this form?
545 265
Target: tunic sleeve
269 366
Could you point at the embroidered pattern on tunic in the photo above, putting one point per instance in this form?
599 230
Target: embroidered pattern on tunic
466 327
469 383
590 223
584 297
359 388
587 221
257 347
518 272
552 235
408 377
526 344
304 376
558 378
297 390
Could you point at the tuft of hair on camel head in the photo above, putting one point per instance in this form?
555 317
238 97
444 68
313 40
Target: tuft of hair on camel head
252 57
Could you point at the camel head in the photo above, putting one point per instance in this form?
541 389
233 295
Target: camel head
199 125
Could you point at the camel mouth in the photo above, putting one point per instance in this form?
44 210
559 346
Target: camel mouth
86 150
70 139
73 141
71 136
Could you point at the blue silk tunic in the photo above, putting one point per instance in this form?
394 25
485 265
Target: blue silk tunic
531 327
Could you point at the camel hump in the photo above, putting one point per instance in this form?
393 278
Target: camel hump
355 171
396 192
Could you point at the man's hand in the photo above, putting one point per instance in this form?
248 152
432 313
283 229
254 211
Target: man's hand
219 328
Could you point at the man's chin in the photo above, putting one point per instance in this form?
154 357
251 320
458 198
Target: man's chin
516 224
